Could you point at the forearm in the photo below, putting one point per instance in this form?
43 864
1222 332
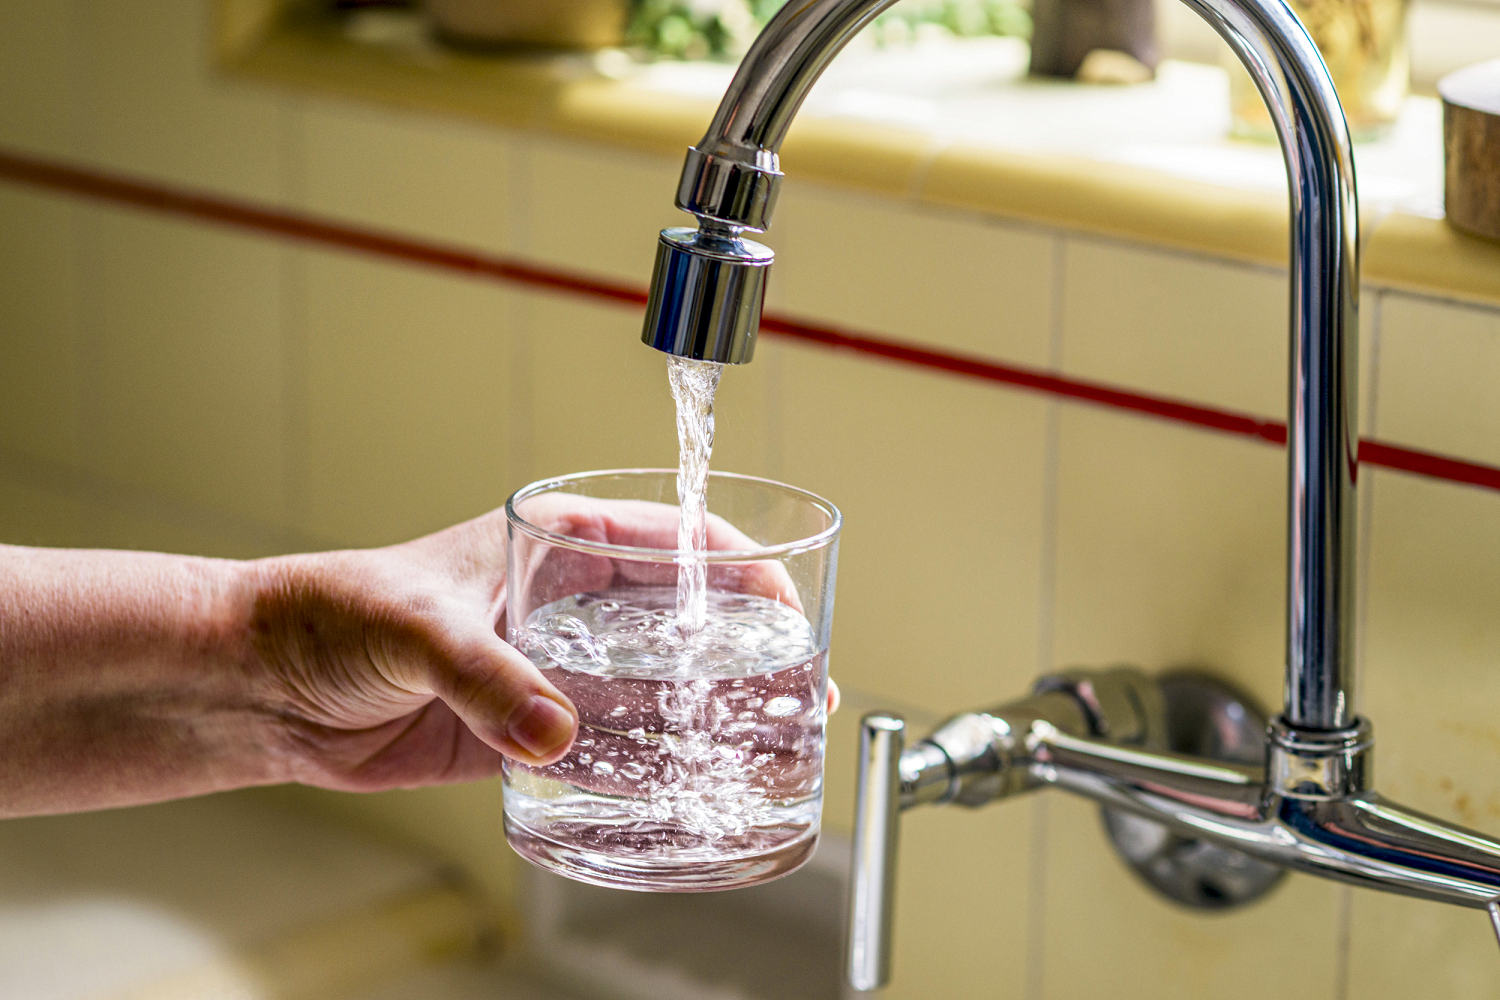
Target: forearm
128 677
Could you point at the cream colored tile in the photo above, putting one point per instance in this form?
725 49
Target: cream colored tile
1430 687
156 106
1431 642
185 388
34 513
1108 935
934 278
38 60
441 179
1369 321
1439 364
1187 327
408 398
595 209
597 397
1400 948
188 532
963 889
962 903
1170 550
744 415
620 412
40 359
963 886
940 482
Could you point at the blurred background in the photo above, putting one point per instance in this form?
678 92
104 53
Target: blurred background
281 276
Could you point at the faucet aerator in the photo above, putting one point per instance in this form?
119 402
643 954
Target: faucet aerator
706 295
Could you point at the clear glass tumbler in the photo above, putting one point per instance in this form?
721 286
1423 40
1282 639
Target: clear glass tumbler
699 758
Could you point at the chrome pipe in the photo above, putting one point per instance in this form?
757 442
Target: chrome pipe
1362 840
873 884
1097 735
732 174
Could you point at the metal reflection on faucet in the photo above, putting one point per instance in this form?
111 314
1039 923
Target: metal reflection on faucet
1309 807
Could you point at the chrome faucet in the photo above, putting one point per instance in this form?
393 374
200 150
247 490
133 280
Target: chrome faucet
1216 829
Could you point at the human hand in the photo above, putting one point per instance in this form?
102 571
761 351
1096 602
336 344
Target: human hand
387 666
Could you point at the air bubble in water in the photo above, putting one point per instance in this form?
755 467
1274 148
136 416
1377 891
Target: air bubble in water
782 707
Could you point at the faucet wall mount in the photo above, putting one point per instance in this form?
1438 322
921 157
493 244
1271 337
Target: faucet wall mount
1309 806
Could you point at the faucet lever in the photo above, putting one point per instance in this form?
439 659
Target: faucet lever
876 826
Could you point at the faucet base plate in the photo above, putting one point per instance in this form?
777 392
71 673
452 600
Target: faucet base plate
1204 717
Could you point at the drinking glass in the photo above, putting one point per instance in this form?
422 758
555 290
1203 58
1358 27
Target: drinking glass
699 758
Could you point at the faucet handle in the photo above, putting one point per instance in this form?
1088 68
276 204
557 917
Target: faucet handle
876 825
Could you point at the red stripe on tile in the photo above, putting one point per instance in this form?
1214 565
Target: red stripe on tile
294 225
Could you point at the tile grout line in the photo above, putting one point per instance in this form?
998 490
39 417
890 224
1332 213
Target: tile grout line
78 316
1036 879
292 279
523 426
1366 513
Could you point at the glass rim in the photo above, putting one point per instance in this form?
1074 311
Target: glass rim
644 554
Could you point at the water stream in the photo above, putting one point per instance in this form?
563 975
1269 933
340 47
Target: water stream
694 384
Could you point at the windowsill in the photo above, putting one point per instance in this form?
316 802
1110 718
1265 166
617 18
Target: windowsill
968 130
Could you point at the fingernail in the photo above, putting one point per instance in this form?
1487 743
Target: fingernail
541 725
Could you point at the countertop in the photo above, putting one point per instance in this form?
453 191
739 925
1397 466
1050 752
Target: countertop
945 122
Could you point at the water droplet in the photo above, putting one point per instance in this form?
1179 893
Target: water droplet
635 772
783 706
754 702
584 758
604 769
617 711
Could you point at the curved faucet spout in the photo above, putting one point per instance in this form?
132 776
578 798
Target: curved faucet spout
730 181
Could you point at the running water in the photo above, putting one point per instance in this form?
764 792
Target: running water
693 386
699 759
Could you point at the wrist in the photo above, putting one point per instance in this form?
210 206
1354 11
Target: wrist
229 706
127 678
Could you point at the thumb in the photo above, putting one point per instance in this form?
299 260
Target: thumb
504 700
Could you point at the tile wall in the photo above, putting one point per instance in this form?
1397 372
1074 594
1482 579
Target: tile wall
173 384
